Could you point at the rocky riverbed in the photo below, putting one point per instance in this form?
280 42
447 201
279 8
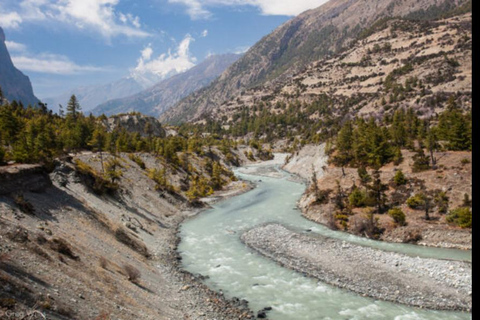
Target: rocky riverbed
419 282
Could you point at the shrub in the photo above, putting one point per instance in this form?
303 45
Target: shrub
399 178
137 160
23 204
467 202
160 178
398 216
357 198
417 201
421 162
322 196
133 273
441 200
135 245
103 262
461 217
94 180
62 247
2 154
465 161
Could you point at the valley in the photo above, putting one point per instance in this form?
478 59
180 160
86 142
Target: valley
325 172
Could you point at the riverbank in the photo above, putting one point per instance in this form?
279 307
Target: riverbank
424 283
451 183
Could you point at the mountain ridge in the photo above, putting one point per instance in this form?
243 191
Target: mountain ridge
158 98
309 37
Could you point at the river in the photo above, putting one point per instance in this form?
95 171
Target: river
211 247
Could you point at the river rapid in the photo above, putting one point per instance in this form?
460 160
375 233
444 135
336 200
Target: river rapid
211 247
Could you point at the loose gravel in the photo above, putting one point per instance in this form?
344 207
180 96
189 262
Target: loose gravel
420 282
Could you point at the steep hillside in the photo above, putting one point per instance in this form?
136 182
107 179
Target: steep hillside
71 253
400 64
14 84
309 37
159 98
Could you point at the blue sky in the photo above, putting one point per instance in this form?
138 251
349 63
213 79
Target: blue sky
63 44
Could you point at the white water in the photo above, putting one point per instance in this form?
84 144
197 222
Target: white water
211 246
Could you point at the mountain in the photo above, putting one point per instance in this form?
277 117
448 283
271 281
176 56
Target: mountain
399 64
91 96
311 36
15 85
159 98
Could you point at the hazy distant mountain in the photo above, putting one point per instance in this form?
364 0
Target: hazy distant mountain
15 85
159 98
311 36
91 96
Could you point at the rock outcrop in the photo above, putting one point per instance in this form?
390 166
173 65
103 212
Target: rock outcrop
23 178
14 84
136 123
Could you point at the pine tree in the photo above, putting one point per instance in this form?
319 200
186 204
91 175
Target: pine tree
345 145
73 107
432 145
377 190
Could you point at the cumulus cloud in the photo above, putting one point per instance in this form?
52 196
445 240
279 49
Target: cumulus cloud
198 9
51 64
150 70
94 15
10 20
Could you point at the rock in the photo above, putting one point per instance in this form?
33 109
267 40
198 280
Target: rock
261 315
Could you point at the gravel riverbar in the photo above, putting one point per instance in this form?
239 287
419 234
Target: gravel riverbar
425 283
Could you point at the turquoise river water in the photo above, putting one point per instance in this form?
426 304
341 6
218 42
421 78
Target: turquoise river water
211 246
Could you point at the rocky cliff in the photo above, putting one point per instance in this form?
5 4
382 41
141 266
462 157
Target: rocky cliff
14 84
135 123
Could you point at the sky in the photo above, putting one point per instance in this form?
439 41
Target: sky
64 44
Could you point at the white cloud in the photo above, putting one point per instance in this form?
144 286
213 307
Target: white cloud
10 20
147 53
51 63
198 9
94 15
151 70
15 46
205 33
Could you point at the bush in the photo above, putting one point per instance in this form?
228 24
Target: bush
137 160
135 245
357 198
421 162
23 204
94 180
416 202
399 178
2 154
461 217
398 216
62 247
133 273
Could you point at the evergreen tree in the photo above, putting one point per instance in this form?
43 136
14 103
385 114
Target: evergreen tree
377 191
73 107
432 145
